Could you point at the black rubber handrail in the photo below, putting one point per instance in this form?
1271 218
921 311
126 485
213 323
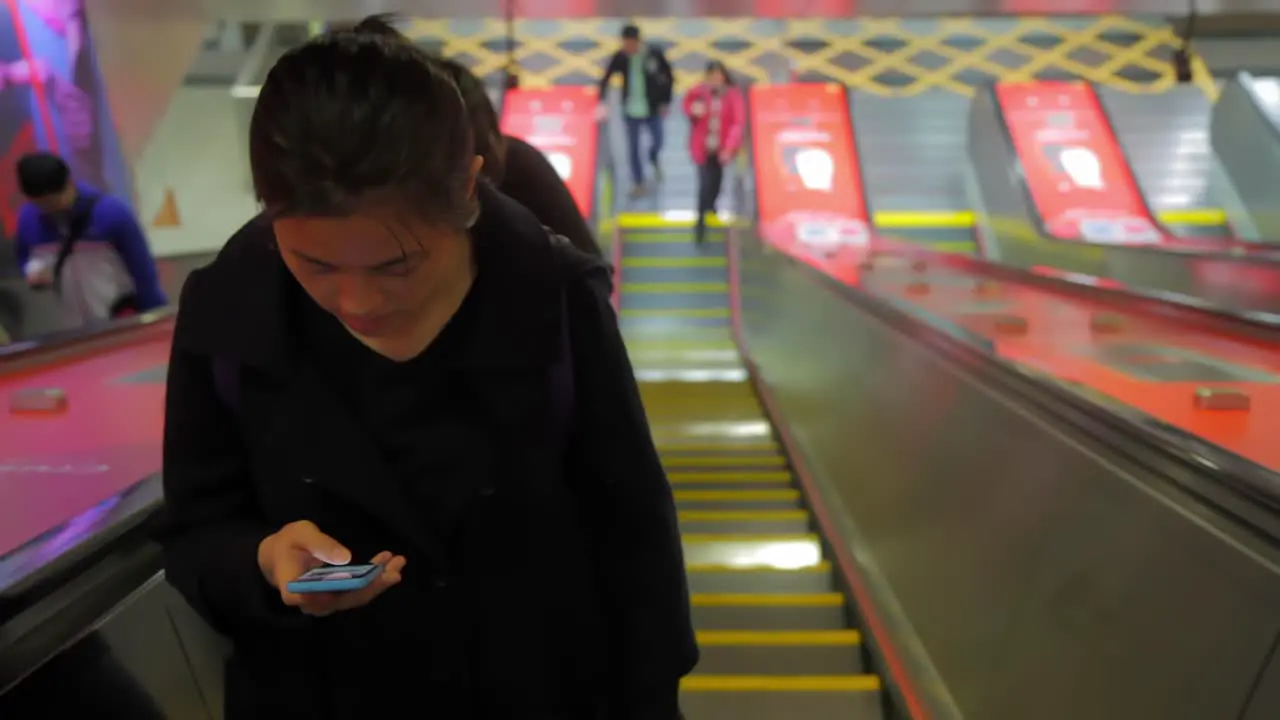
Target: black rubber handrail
1253 500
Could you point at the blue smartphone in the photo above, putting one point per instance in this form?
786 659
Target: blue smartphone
335 578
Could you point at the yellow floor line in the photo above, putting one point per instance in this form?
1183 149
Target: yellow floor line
767 600
728 461
822 566
735 495
742 515
673 262
780 683
710 313
674 287
824 638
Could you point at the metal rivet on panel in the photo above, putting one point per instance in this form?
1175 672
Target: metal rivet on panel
1210 398
919 265
918 287
1106 322
1010 324
986 288
45 401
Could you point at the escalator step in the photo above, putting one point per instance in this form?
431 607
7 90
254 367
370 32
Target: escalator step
718 448
780 652
765 611
715 578
741 461
737 499
749 522
760 551
841 697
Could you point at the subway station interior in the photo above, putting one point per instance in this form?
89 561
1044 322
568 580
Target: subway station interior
964 399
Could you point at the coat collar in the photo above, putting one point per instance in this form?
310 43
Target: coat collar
243 305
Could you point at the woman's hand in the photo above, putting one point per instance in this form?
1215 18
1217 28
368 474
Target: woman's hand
299 547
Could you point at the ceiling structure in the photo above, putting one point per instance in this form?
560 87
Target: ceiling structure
303 10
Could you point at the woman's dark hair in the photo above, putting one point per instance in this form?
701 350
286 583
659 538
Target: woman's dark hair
490 144
716 65
358 115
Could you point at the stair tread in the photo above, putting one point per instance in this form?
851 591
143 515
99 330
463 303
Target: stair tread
780 683
780 637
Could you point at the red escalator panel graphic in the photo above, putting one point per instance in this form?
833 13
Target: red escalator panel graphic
559 121
808 188
1073 165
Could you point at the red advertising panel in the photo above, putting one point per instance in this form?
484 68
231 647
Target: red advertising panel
1073 165
559 121
808 188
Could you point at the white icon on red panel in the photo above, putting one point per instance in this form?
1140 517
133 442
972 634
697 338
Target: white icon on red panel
816 169
562 163
1083 167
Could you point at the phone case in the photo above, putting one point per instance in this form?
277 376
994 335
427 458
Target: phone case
328 586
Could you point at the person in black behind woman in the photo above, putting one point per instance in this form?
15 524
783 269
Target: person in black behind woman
427 378
517 168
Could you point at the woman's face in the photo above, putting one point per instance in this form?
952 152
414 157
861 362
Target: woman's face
378 271
715 78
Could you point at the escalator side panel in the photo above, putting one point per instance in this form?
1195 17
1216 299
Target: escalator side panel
1041 580
151 658
1247 143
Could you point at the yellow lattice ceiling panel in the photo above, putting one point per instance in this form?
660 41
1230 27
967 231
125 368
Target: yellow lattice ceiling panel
886 56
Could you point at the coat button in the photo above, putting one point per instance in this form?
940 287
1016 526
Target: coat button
487 490
440 583
307 480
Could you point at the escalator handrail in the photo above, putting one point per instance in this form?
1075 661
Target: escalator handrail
1256 324
24 350
1255 490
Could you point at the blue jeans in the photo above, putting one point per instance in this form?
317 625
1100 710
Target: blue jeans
654 125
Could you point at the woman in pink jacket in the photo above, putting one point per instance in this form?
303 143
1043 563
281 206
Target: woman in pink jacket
718 116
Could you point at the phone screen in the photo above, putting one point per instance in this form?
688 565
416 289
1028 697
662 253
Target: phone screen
336 572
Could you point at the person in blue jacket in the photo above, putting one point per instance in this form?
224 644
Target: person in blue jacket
84 244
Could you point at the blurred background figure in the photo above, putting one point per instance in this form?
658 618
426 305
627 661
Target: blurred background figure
717 113
646 97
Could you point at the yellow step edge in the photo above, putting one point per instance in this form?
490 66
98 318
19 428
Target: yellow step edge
713 478
673 262
689 538
674 287
741 515
718 447
780 683
788 638
767 600
732 495
706 313
822 566
727 461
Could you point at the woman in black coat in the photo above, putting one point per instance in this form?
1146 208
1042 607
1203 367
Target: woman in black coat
396 363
